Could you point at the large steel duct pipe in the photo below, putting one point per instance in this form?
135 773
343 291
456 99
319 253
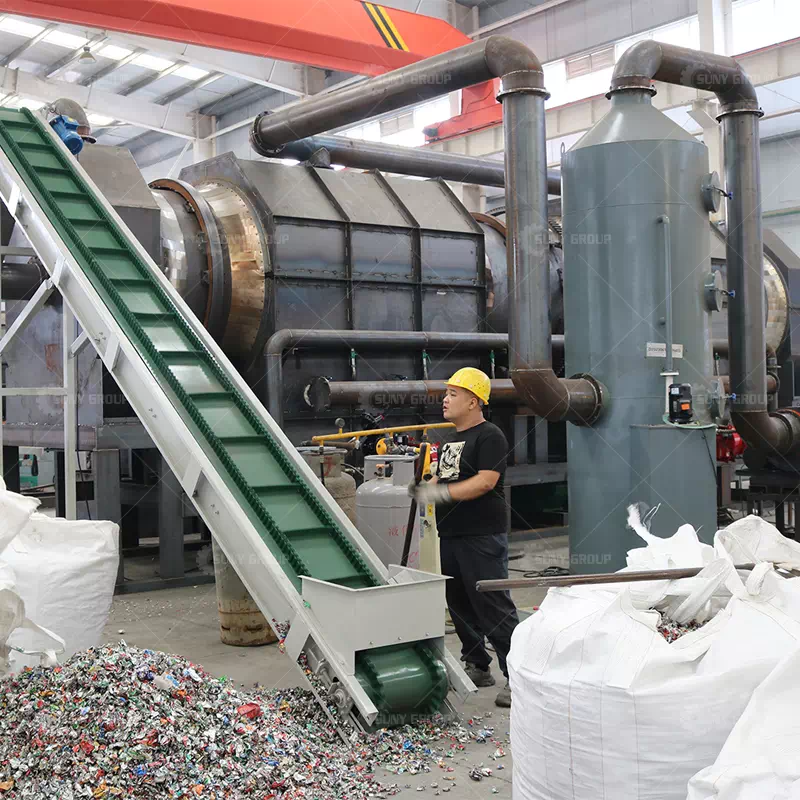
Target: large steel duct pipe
287 338
578 400
322 394
777 432
417 161
493 57
20 281
523 94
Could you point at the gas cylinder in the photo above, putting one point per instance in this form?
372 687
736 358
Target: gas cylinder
340 485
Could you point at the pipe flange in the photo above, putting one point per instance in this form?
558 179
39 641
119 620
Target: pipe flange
525 81
790 417
600 399
317 393
745 107
255 141
629 83
786 414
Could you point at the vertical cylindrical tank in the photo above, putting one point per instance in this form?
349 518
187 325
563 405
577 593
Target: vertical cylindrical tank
636 236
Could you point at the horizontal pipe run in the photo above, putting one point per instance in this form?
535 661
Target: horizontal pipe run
287 338
348 435
484 60
721 348
418 161
343 393
322 394
20 281
390 340
772 383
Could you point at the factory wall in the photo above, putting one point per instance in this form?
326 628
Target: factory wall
170 165
581 25
238 141
458 15
780 181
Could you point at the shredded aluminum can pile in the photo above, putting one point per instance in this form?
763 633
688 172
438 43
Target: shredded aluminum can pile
672 631
120 722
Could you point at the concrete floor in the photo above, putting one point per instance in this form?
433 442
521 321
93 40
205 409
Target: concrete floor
184 621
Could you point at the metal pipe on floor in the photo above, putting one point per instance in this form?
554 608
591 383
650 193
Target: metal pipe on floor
504 584
418 161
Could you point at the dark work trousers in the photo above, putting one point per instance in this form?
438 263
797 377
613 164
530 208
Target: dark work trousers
493 615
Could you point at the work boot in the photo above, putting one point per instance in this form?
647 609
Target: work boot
503 699
480 677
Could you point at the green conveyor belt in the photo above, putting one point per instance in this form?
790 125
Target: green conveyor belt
290 517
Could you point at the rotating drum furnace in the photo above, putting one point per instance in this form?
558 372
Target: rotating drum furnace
256 247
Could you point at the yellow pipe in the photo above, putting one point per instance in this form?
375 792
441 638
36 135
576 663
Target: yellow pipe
401 429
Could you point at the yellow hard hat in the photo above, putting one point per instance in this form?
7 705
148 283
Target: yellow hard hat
474 381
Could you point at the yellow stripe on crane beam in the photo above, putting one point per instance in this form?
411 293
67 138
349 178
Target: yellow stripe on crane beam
388 20
387 29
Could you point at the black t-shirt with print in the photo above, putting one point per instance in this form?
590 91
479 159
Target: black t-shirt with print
462 455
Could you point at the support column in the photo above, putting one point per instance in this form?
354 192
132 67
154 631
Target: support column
204 148
58 480
107 495
70 369
716 36
10 468
170 523
471 196
520 445
715 21
540 439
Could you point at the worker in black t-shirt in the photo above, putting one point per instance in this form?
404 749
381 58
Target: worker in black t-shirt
471 516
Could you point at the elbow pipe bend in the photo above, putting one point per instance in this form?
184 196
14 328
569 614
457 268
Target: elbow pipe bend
773 433
724 76
579 399
494 57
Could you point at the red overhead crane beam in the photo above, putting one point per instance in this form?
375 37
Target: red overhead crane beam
348 35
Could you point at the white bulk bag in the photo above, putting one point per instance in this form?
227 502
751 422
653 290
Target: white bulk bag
65 571
604 707
12 618
753 539
761 758
15 511
682 549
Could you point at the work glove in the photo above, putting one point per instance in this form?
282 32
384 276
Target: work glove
425 493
